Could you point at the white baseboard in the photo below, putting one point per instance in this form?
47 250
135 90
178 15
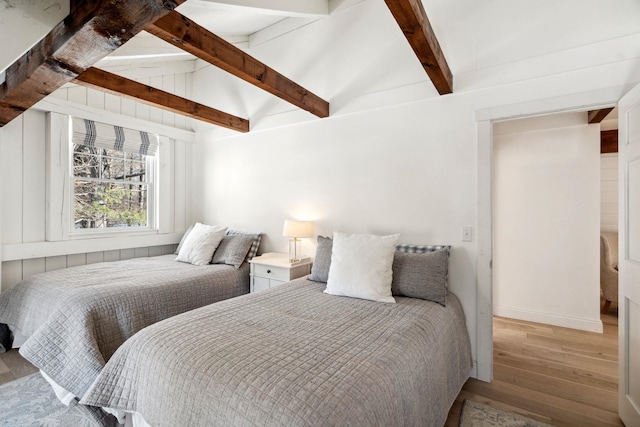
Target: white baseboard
550 319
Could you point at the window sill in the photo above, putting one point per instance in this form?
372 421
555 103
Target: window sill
99 234
21 251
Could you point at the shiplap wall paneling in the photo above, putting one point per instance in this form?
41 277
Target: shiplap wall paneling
180 184
95 257
111 103
111 256
33 177
165 198
128 107
95 98
77 94
143 111
75 260
63 93
180 88
11 192
11 274
57 186
609 192
127 253
141 252
56 262
33 266
188 200
26 154
155 250
14 271
168 249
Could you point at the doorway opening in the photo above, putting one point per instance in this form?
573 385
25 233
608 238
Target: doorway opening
546 220
581 102
564 376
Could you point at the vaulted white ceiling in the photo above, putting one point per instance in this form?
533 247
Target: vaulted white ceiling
473 34
367 52
24 22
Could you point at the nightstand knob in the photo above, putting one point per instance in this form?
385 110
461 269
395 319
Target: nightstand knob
268 271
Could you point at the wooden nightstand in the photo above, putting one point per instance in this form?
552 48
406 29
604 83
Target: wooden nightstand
273 269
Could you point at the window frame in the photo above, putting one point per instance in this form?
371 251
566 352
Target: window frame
58 185
152 168
151 163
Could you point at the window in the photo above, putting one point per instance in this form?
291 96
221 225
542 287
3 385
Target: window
112 175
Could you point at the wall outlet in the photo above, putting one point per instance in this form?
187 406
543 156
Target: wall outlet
466 234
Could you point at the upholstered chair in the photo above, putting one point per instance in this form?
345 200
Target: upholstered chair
609 268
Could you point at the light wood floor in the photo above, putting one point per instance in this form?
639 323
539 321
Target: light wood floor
14 366
560 376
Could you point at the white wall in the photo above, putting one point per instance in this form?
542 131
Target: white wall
393 157
546 221
22 195
609 191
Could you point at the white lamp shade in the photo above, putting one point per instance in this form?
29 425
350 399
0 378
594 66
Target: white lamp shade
297 228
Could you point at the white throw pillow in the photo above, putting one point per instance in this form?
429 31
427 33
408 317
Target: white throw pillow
200 244
361 266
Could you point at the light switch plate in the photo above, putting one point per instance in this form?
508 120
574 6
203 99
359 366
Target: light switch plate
466 234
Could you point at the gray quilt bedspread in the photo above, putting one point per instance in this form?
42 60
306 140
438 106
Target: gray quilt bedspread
76 318
293 356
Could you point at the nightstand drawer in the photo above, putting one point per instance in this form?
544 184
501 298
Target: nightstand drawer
272 272
260 284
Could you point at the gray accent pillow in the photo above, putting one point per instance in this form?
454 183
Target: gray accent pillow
421 275
254 246
322 262
233 250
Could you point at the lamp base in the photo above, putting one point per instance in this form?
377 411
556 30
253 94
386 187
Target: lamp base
294 250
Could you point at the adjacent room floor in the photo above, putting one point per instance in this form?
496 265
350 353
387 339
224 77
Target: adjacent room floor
560 376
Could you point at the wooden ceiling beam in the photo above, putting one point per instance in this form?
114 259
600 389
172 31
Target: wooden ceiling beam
182 32
609 141
92 30
596 116
413 22
118 85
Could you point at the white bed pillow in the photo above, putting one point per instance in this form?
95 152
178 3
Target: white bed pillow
361 266
184 238
200 244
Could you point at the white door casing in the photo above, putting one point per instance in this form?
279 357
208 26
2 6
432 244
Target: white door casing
629 258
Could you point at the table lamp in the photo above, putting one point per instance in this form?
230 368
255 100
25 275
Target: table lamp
296 230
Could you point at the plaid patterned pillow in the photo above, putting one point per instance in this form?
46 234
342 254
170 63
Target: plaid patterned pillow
421 249
253 251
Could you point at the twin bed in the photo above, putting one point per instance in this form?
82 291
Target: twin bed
293 355
72 320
